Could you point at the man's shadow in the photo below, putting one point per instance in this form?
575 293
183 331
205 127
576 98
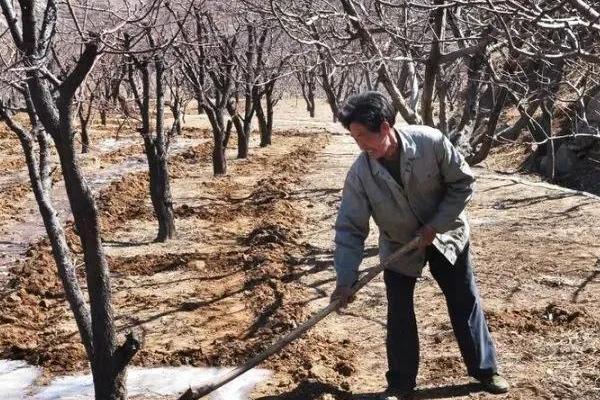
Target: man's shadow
311 390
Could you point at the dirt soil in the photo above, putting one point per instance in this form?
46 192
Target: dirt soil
252 260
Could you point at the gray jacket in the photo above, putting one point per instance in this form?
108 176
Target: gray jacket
437 184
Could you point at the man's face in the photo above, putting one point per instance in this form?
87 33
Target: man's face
376 144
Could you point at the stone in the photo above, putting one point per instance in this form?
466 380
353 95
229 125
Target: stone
196 265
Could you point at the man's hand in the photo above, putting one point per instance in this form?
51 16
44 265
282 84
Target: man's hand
344 294
427 234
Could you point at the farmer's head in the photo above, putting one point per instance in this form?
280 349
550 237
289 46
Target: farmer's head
370 117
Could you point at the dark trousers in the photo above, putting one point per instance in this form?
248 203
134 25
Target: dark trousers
466 315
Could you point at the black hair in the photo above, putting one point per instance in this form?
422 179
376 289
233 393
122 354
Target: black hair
368 108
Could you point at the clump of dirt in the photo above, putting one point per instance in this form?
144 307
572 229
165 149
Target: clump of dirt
318 357
194 132
508 157
203 212
298 161
11 199
444 366
32 313
179 164
194 357
5 132
58 357
209 212
561 314
125 200
194 155
12 164
269 234
37 276
149 264
124 152
268 191
536 321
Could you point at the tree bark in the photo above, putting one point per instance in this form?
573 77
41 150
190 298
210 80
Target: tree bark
160 192
432 64
263 127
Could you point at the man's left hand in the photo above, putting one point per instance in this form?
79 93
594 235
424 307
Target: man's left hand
427 234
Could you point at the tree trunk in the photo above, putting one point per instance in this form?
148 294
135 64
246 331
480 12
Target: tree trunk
331 99
83 123
243 139
442 88
85 139
310 99
200 106
219 160
109 381
160 192
432 65
265 134
270 103
244 144
53 108
488 137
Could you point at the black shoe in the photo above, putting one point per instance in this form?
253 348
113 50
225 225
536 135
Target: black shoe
397 394
495 384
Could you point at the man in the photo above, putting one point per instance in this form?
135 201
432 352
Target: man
412 181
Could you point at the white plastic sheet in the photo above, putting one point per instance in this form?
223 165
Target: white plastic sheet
16 378
158 381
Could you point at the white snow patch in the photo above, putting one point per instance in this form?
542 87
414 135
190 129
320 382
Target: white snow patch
17 379
111 144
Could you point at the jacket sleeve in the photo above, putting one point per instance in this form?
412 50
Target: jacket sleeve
458 180
351 230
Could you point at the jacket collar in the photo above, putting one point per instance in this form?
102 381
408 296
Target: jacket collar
408 145
409 152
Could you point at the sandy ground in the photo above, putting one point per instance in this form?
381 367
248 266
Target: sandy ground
252 260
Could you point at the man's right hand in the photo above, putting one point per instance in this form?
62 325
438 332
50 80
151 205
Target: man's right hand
344 294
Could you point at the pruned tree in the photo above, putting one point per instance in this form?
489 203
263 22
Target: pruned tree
147 69
210 74
307 79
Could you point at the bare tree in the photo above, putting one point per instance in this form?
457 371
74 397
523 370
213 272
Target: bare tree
307 79
210 75
140 71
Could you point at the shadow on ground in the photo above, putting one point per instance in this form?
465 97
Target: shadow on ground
312 390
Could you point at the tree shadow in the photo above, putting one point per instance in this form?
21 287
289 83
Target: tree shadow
118 243
312 390
586 281
442 392
509 203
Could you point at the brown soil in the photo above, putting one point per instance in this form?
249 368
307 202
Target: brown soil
11 199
